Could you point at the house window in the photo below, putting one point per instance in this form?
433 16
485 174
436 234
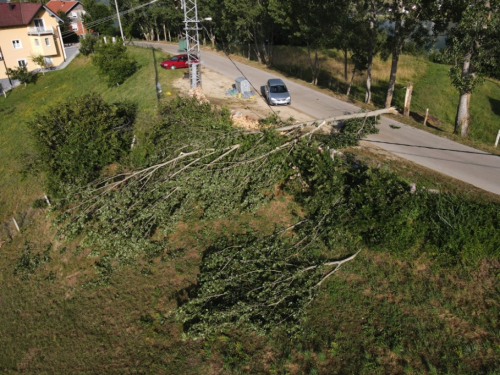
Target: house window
22 62
74 26
39 24
17 44
37 42
73 14
47 42
48 61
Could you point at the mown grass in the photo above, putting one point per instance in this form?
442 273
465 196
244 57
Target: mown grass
78 78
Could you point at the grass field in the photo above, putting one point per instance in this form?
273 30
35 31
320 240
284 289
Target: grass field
381 314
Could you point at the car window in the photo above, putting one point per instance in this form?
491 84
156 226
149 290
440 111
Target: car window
278 89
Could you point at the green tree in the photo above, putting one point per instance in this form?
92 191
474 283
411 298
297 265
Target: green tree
40 61
407 16
95 12
371 10
87 44
473 44
77 138
21 74
113 62
315 24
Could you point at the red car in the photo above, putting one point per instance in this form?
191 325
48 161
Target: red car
178 61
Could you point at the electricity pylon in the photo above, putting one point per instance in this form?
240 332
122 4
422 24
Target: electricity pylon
191 23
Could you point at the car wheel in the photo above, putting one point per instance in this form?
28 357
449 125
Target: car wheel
172 67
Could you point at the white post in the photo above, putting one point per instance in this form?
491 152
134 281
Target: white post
426 116
498 139
119 20
15 223
47 199
62 42
105 41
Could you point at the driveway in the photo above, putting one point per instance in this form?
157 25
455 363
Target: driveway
475 167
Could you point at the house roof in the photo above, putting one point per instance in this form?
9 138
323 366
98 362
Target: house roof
17 14
64 6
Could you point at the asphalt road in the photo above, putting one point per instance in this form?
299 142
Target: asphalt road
475 167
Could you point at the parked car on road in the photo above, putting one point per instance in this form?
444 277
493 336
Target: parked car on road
178 61
277 93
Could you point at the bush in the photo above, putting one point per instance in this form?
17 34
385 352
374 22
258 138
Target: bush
113 62
77 138
21 74
87 44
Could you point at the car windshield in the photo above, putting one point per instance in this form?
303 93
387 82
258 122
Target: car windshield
278 89
174 58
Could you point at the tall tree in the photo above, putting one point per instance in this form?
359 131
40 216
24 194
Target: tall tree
95 14
372 9
407 17
242 22
473 43
314 24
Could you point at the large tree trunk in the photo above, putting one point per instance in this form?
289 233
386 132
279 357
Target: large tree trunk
313 65
371 47
462 121
345 65
256 48
352 80
165 32
396 51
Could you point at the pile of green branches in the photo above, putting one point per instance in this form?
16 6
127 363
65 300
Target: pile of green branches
195 165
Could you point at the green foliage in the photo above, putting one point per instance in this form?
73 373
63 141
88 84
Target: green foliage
39 203
350 133
21 74
39 60
195 166
97 11
258 284
77 138
28 263
473 38
113 62
87 44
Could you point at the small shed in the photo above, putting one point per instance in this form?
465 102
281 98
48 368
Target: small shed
242 85
182 45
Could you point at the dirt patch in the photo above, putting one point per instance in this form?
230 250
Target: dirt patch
215 86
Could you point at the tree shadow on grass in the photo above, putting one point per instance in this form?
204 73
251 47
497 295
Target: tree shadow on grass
495 106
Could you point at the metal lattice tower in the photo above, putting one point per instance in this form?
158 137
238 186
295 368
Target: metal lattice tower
191 23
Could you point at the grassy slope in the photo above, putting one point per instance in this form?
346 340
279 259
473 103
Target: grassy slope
434 91
78 78
379 315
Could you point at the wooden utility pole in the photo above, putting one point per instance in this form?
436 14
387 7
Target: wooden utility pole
409 91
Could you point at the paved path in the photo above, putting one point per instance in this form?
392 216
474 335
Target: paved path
440 154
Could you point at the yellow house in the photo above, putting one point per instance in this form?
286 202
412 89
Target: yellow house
27 30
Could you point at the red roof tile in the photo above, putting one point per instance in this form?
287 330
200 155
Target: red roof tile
64 6
17 14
